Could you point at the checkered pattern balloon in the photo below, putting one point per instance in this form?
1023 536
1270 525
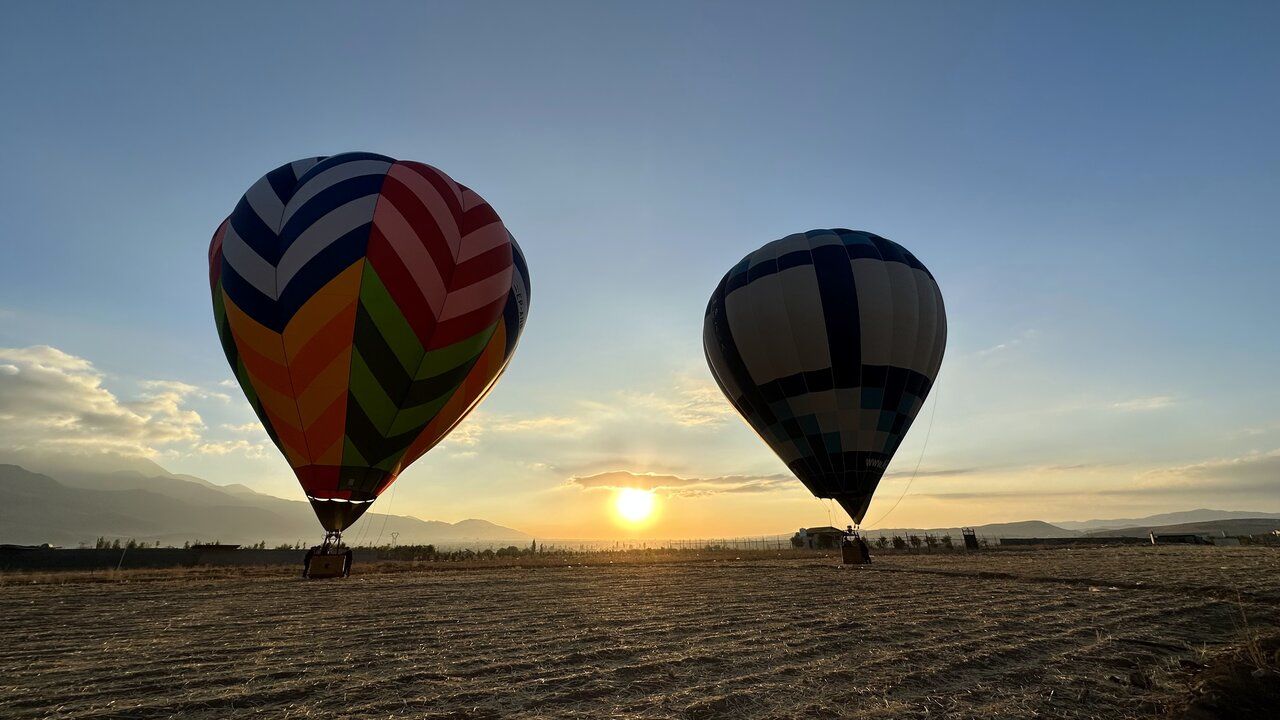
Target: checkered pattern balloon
827 343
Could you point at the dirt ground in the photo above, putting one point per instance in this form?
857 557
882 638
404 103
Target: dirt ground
1067 633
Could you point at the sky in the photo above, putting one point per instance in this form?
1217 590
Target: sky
1092 184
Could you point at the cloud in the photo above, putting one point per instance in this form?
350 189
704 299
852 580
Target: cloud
690 403
1255 475
994 470
181 389
1145 404
541 423
478 425
228 447
52 400
1254 471
675 485
1025 336
1253 431
945 472
1008 494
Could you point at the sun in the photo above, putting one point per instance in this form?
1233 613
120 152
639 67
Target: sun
634 506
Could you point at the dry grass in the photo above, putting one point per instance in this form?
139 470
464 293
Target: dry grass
589 558
1093 633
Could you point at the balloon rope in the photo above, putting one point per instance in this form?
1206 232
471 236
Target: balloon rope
367 519
364 529
937 394
385 516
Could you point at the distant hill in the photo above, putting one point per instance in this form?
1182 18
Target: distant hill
1027 528
80 506
1234 526
1173 518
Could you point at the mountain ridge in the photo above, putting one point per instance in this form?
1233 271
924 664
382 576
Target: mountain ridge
1163 519
1227 527
1023 528
38 508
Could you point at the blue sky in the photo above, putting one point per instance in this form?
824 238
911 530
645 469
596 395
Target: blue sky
1093 184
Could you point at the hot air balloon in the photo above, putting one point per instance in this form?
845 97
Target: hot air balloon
827 342
365 305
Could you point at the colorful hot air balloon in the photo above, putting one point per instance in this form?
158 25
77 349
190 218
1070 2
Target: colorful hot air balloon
364 304
827 343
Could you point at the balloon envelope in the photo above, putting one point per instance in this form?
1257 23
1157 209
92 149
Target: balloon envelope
827 342
355 295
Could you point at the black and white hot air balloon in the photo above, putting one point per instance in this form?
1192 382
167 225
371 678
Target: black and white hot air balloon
827 342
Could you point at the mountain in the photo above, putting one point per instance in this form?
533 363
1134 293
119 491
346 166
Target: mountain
55 464
35 508
1027 529
1173 518
1231 526
79 506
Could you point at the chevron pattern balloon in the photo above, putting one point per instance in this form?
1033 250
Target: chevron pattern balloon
362 303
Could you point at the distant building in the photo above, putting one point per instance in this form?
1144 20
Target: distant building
818 538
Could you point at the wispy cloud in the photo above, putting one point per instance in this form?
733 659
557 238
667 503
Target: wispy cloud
684 486
538 423
462 440
1145 404
1253 471
1251 475
181 389
1259 430
1026 336
227 447
690 402
687 404
934 473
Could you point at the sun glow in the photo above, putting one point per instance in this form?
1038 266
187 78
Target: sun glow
634 506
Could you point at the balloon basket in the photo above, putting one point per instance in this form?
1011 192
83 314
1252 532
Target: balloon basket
854 550
328 560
